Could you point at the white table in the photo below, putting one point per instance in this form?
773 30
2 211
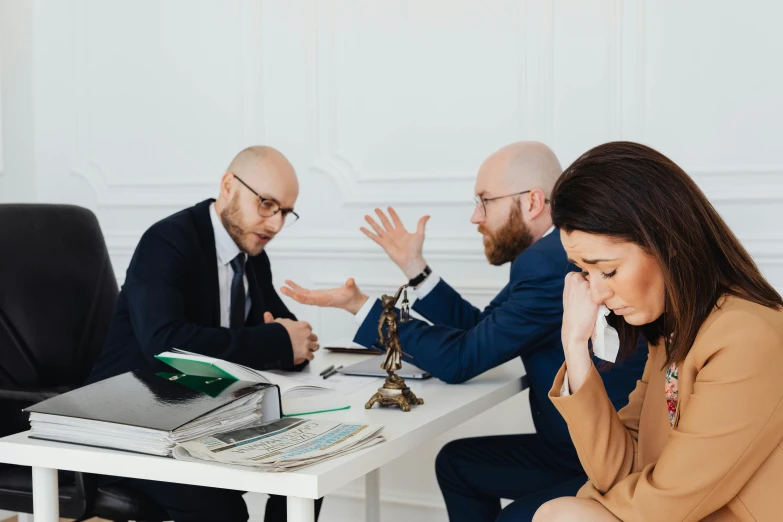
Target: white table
445 406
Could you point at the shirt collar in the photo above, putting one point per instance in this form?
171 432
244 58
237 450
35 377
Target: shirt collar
551 229
225 246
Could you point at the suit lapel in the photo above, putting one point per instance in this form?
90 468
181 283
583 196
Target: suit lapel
207 239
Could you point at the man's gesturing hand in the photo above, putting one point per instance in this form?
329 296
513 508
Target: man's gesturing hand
402 247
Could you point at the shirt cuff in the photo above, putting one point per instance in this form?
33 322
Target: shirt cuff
564 389
364 311
427 286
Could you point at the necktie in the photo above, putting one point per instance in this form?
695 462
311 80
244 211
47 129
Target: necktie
237 311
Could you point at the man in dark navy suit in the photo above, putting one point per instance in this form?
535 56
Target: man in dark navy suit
200 281
513 216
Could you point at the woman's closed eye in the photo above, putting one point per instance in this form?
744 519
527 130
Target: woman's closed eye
604 275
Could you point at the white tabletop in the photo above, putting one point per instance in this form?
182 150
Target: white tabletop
445 406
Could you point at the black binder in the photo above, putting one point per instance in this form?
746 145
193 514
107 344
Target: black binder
162 402
146 400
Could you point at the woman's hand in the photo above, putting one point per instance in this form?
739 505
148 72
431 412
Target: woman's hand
579 310
579 315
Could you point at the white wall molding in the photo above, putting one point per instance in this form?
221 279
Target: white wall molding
632 41
617 66
150 193
339 244
539 32
401 188
252 73
332 244
765 251
740 184
18 133
623 83
342 245
143 191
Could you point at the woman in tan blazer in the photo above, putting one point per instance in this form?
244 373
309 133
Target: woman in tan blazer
701 436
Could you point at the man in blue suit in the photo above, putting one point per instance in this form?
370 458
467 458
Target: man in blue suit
513 215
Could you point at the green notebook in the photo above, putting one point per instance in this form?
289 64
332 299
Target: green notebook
198 371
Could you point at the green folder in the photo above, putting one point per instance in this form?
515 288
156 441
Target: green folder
210 378
197 368
211 386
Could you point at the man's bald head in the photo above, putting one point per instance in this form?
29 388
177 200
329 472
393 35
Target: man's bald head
513 187
263 161
521 166
257 172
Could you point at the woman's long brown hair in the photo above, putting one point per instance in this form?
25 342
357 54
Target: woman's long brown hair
634 193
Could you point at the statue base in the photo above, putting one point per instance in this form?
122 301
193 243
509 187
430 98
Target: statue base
394 393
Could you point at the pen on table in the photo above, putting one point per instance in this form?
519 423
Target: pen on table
332 372
327 370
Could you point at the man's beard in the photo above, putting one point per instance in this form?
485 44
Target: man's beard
232 221
507 242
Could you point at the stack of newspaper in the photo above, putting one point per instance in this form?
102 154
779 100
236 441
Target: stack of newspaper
282 445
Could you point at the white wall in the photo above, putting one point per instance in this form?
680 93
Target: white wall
134 108
17 140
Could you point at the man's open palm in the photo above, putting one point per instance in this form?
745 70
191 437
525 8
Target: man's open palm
348 297
403 247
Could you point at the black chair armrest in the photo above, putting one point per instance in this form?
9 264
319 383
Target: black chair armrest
31 395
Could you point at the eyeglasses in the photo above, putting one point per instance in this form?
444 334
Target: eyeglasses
269 207
482 202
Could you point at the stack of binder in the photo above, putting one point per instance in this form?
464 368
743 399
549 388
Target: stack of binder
150 413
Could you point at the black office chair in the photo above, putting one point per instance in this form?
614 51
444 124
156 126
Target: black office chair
57 297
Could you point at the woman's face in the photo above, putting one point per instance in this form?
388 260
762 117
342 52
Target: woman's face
622 275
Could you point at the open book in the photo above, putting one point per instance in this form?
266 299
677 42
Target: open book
300 396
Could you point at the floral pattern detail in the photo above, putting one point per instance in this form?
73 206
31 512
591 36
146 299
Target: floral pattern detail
671 391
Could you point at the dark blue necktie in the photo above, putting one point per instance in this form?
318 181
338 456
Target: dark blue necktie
237 314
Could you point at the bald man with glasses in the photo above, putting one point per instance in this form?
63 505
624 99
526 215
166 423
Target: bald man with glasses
512 214
200 281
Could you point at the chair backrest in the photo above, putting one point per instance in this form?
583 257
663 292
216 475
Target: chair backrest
57 295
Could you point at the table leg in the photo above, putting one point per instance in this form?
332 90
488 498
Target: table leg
301 509
372 496
46 501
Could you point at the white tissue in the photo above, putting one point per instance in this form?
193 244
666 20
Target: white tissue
606 342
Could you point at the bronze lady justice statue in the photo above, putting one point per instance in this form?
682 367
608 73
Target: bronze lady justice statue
394 391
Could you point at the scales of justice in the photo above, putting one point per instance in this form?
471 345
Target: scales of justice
394 391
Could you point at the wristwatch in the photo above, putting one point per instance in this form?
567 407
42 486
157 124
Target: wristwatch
421 277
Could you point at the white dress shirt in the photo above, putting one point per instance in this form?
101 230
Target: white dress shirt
226 251
419 292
